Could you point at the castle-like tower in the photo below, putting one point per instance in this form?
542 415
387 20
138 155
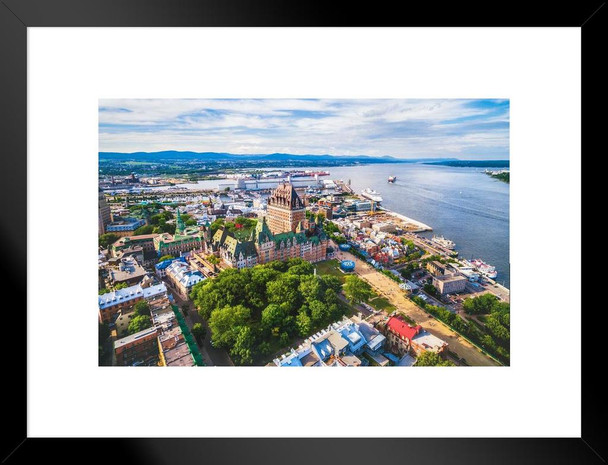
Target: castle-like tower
285 209
179 224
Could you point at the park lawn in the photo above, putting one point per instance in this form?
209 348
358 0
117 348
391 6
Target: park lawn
381 303
331 267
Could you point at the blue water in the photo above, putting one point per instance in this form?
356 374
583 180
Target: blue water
462 204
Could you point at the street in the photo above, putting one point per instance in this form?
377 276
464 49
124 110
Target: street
390 289
212 356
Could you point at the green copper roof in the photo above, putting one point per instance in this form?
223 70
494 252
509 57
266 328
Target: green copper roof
262 232
179 224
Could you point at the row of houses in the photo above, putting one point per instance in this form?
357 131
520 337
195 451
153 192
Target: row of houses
340 344
356 342
162 344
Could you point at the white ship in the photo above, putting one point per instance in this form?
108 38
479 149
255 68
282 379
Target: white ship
484 268
442 241
371 194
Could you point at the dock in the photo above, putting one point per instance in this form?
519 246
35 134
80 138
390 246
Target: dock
345 187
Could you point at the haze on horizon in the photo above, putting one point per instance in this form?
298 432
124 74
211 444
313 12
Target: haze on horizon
468 129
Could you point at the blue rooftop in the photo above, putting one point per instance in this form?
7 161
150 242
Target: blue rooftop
165 263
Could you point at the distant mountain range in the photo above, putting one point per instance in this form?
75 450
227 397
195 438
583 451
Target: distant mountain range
271 157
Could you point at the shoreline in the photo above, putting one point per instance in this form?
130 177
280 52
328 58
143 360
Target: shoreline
422 226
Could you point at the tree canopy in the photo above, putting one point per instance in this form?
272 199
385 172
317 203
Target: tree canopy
199 331
276 301
106 240
431 359
482 304
139 323
146 229
356 290
142 308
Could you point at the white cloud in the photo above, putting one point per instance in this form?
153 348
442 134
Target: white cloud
374 127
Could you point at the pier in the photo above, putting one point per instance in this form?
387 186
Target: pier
345 187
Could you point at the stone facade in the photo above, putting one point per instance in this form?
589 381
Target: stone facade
285 209
283 234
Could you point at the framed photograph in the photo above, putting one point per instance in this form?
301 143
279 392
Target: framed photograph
202 195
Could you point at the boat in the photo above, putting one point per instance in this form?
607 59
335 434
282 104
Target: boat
392 179
442 241
371 194
485 269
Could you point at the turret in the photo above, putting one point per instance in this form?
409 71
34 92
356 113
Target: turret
179 224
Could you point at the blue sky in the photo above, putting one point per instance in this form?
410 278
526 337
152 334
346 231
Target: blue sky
460 128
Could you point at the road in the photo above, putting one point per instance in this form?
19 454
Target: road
390 289
212 356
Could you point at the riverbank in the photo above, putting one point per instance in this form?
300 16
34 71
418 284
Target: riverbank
422 227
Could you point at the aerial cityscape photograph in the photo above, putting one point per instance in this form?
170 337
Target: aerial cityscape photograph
303 232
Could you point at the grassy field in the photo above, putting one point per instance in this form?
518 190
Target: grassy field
381 303
331 267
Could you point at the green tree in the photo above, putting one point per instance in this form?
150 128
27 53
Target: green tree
225 324
482 304
105 240
142 308
164 228
431 359
273 317
318 311
216 225
310 287
331 282
264 348
146 229
120 286
139 323
103 291
284 339
199 332
242 352
356 290
284 289
330 297
301 269
430 289
166 257
303 323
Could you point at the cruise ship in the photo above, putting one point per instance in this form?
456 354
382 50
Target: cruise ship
484 268
371 195
442 241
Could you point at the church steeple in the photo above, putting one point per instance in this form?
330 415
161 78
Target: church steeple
179 224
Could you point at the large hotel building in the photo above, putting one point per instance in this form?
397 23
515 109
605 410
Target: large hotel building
285 209
284 233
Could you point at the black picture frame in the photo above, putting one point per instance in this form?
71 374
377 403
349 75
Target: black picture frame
16 16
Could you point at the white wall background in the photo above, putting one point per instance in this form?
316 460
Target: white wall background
69 69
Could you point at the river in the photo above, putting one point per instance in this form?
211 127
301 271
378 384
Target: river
463 204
